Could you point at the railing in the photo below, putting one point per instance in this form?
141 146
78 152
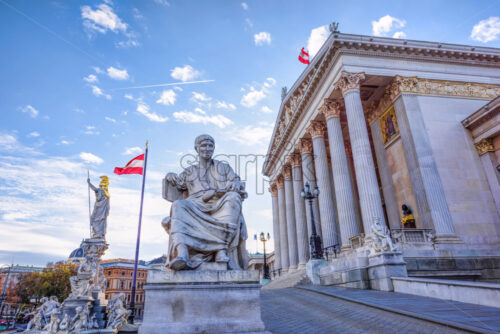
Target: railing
412 236
331 251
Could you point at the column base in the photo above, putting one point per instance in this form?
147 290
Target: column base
383 266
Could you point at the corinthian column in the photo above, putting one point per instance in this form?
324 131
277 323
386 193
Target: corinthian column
283 230
369 194
300 211
306 150
276 225
290 218
346 208
325 198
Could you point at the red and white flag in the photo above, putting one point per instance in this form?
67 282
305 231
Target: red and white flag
304 56
134 166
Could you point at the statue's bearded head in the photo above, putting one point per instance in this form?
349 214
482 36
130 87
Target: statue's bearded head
205 146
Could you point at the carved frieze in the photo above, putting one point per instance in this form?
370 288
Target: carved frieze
349 82
413 85
485 145
317 129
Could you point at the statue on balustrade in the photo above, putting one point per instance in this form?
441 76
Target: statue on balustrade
205 223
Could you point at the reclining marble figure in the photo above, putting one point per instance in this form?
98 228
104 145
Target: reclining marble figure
205 223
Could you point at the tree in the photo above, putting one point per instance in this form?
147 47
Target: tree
52 281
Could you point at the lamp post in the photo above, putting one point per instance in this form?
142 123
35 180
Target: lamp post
315 239
265 238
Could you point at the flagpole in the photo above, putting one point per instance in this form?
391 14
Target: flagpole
90 215
134 280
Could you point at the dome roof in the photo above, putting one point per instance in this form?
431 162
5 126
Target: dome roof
77 253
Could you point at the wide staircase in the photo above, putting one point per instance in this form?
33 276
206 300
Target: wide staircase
289 280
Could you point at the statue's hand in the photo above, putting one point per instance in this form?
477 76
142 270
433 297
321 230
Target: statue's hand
236 186
171 178
208 195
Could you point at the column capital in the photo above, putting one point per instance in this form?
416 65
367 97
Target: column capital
273 189
485 145
280 181
287 171
401 85
349 81
294 159
305 145
317 129
331 108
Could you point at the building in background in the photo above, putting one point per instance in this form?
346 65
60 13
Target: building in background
119 275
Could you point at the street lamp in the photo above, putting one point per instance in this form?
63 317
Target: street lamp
265 238
315 239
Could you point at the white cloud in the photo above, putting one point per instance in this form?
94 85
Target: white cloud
225 105
102 19
253 97
167 97
133 150
316 40
266 109
244 5
30 110
128 97
190 117
251 135
200 97
112 120
249 22
385 24
91 78
177 88
486 30
65 142
399 34
33 134
162 2
98 92
185 73
201 111
90 130
98 70
143 109
117 74
90 158
262 38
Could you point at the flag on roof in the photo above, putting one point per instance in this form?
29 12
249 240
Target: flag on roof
134 166
304 56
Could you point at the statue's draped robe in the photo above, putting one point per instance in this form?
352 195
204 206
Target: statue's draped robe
207 227
100 214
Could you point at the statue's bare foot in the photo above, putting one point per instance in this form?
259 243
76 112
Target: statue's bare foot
221 256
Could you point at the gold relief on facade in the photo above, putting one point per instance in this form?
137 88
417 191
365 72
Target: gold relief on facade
485 145
388 125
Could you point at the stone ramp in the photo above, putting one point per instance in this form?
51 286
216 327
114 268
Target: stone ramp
289 280
466 317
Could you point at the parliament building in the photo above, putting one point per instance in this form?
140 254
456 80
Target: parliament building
398 131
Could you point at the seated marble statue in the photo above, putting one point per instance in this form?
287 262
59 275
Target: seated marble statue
206 223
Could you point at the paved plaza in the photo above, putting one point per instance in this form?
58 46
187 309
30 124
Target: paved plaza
329 310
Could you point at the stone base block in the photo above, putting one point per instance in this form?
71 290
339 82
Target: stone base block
202 301
312 270
383 266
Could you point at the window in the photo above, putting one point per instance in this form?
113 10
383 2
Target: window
121 284
123 273
109 273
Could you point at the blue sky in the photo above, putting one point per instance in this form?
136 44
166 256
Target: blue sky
67 104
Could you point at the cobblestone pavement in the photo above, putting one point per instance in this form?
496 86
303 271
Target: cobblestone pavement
301 311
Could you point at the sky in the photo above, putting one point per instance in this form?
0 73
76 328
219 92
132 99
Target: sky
84 84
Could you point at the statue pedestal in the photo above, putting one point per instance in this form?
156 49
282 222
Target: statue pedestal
383 266
202 301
